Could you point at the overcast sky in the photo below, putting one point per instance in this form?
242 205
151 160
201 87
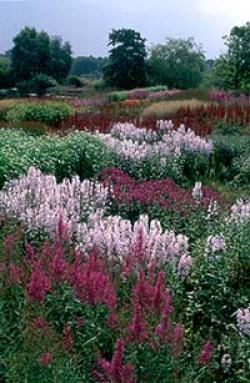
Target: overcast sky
86 23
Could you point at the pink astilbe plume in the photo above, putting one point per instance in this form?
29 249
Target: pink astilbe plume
115 371
152 296
178 339
8 244
45 359
15 273
58 266
39 323
67 340
163 328
206 353
137 328
92 283
39 284
62 232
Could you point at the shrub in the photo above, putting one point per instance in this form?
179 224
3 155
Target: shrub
74 80
46 112
118 96
76 153
227 151
40 83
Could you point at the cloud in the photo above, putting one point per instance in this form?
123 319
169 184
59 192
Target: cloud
235 10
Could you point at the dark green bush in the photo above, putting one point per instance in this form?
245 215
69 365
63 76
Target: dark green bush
74 81
40 83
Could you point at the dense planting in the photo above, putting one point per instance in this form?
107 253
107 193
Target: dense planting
117 263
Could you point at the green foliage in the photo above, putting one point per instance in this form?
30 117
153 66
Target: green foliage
118 96
36 53
6 76
88 66
46 112
232 68
76 153
178 63
126 67
229 153
74 80
60 58
38 85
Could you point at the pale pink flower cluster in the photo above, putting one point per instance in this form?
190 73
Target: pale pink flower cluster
216 243
40 202
117 239
185 265
243 320
129 131
240 212
133 143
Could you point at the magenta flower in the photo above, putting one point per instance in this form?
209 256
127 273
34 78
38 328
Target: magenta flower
15 273
38 285
206 353
68 341
137 327
115 371
39 323
45 358
178 339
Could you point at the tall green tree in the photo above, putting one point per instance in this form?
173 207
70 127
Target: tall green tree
232 69
126 68
6 78
30 54
61 59
179 63
36 53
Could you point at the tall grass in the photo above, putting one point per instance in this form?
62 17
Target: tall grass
166 109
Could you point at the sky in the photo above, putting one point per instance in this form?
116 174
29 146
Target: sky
87 23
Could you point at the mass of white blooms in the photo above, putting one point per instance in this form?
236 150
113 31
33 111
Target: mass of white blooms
133 143
117 239
40 202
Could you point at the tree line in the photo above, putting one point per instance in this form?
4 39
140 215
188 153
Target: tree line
38 61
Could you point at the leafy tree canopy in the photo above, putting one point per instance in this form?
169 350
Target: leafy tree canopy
37 53
126 68
232 69
178 63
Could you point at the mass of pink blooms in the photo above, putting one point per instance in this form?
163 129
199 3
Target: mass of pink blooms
166 193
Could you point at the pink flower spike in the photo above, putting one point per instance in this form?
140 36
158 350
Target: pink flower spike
45 359
206 353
